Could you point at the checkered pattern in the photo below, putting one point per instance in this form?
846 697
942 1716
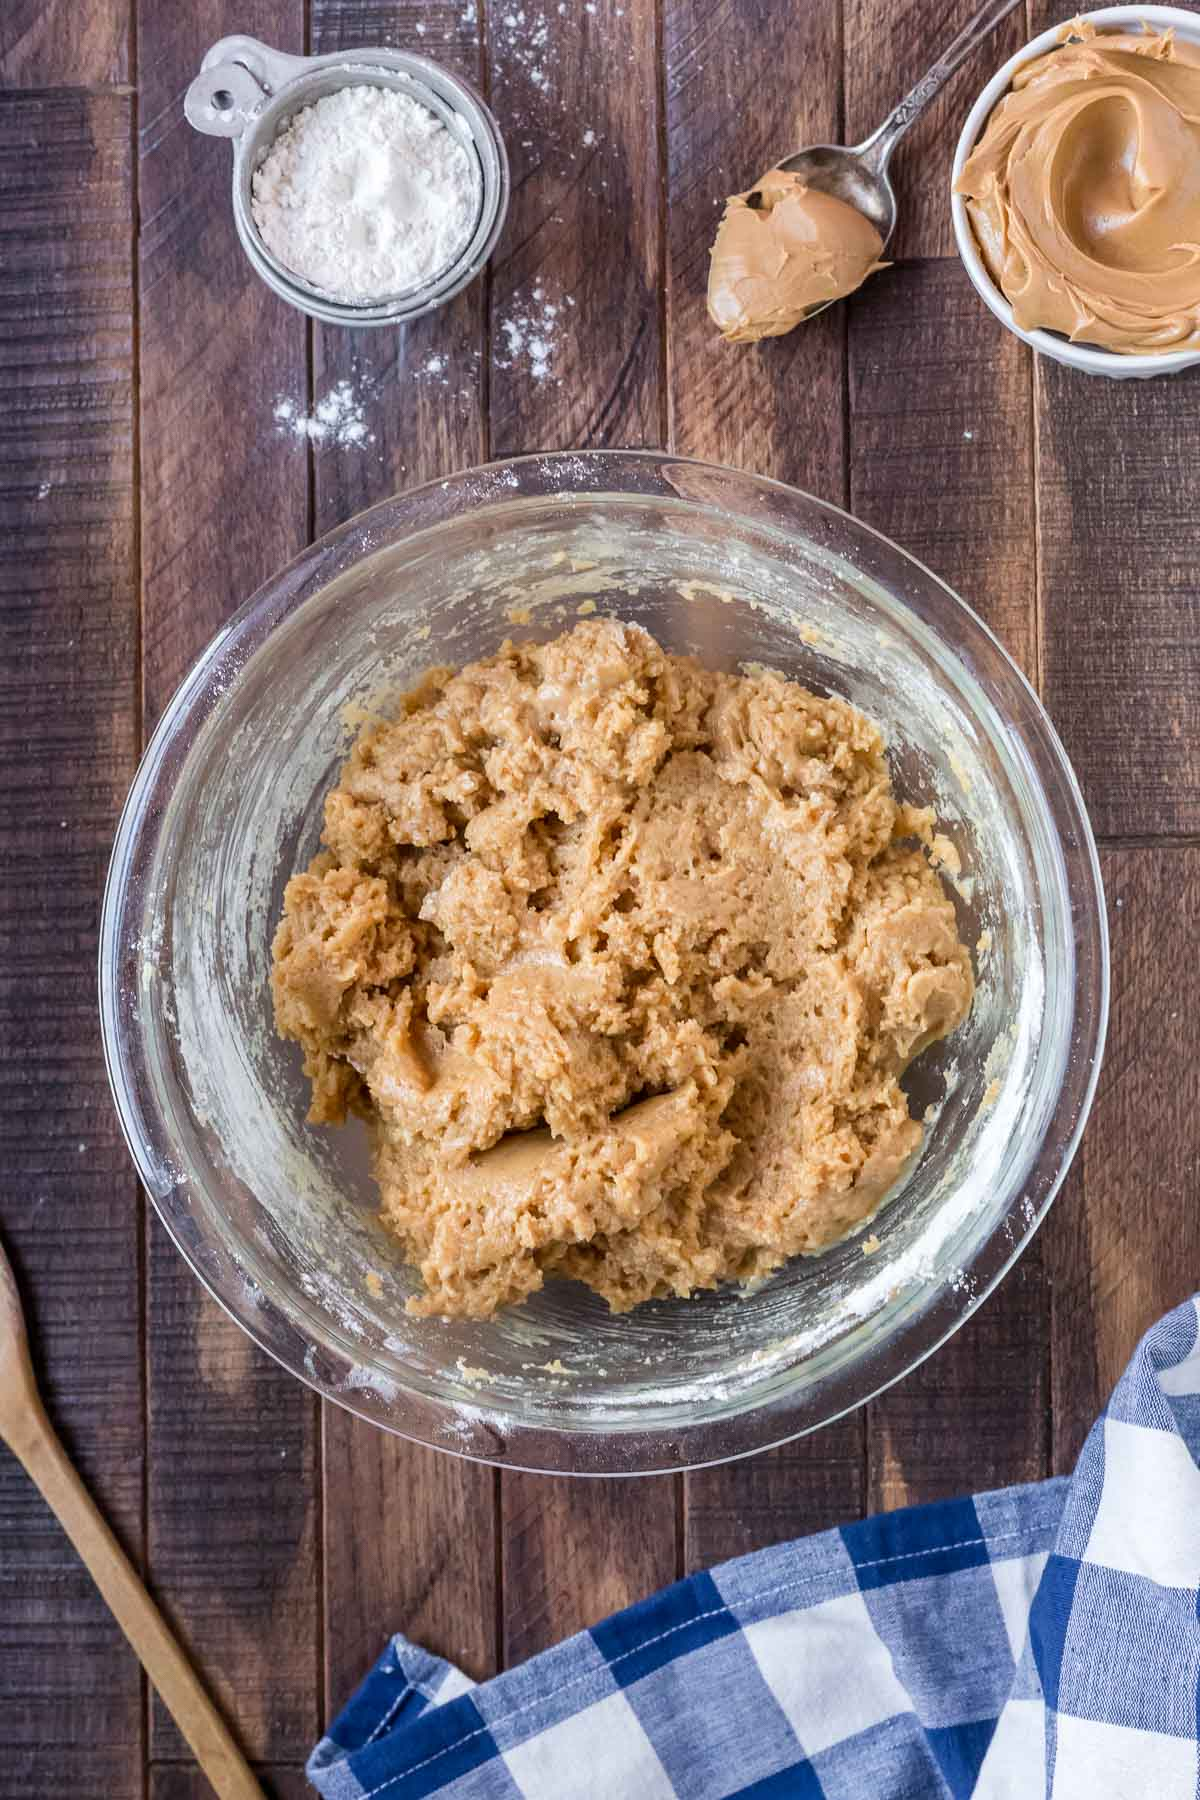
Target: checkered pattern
1040 1640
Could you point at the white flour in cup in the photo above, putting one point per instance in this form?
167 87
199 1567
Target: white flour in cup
366 195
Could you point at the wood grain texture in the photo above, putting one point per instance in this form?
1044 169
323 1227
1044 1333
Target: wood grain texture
233 1485
176 1781
1123 1239
575 1551
26 1428
889 46
447 30
409 1546
976 1415
576 316
941 452
809 1485
1119 544
68 739
53 43
224 487
420 389
233 1519
776 407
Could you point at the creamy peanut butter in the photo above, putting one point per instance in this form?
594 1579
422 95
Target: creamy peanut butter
781 249
1084 191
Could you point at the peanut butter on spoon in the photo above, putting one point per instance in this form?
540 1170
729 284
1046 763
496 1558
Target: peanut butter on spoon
814 227
781 249
1084 191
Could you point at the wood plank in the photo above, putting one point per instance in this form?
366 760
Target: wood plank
775 407
176 1781
809 1485
447 30
1119 544
576 284
233 1463
945 466
576 1550
420 391
1123 1239
576 97
68 739
233 1516
976 1415
224 487
434 1579
889 46
55 43
941 440
419 388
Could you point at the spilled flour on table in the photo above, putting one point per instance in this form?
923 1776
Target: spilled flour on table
529 333
523 35
339 417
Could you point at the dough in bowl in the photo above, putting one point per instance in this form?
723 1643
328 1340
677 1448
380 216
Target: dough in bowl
622 960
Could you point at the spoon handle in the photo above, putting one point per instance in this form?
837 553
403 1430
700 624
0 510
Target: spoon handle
37 1447
877 150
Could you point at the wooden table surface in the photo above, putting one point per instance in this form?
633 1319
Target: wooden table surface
146 488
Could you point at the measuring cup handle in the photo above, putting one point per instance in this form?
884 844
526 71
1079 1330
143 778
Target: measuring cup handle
236 76
877 150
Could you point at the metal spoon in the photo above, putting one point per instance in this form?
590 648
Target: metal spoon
858 174
29 1434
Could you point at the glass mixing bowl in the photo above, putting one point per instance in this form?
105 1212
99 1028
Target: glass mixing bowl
278 1218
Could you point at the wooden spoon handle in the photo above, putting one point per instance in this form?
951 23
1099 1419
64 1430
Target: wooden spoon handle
39 1449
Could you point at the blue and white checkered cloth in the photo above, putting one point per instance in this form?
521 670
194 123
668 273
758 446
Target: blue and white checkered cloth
1040 1640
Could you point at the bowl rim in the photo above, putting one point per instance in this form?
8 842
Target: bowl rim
1086 357
503 1440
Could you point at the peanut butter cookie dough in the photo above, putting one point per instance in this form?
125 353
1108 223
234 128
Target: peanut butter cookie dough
621 959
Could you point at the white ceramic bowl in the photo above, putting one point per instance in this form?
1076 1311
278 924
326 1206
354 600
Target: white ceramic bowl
1091 360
